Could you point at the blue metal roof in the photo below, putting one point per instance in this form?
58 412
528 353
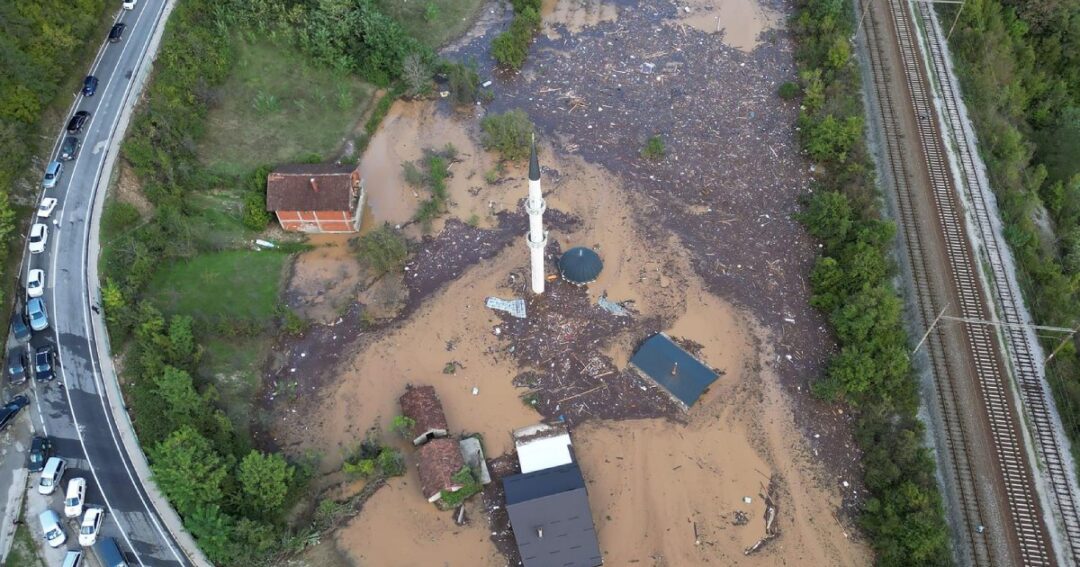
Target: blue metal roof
580 265
673 368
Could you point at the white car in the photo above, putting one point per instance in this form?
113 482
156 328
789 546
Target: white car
52 529
76 495
39 236
91 525
35 283
46 207
129 4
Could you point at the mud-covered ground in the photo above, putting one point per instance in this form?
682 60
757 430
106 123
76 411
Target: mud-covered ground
713 219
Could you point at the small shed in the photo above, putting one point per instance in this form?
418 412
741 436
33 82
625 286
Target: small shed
438 461
542 446
580 265
422 405
684 377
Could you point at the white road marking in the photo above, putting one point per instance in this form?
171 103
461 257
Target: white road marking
37 402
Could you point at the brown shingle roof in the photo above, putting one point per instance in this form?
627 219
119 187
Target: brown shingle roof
439 460
290 187
422 405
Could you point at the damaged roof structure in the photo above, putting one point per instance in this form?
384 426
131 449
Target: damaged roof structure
439 460
549 512
422 405
667 364
542 446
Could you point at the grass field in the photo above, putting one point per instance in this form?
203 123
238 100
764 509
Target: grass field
277 107
233 285
23 552
433 22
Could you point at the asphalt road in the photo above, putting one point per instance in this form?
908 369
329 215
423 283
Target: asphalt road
73 408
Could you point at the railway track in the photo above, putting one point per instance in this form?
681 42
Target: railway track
955 435
1024 353
1024 523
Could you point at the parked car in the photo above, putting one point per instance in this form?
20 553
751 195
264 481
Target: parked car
39 237
11 409
44 359
129 4
46 207
35 310
51 527
69 149
35 283
16 365
72 559
109 553
76 496
40 450
91 525
75 125
89 85
117 32
53 171
19 328
51 475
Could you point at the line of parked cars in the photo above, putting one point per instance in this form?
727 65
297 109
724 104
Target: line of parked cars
41 361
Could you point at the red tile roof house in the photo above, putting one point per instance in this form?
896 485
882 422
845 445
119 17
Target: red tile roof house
422 405
316 197
438 461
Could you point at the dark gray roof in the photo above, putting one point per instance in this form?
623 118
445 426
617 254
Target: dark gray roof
580 265
550 516
657 358
534 164
310 187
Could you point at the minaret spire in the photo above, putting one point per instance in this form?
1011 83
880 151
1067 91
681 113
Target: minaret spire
535 207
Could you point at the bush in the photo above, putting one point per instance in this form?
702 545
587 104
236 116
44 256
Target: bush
509 134
788 90
402 425
383 250
511 47
469 487
463 82
654 148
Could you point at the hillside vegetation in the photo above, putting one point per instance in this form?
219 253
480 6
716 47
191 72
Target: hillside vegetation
41 43
1019 66
872 372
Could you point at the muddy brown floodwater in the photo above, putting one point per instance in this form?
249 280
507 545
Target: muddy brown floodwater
701 245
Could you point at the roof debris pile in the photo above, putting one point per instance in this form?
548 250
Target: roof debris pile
569 377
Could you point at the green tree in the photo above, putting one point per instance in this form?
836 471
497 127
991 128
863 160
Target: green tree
213 530
828 216
265 479
188 470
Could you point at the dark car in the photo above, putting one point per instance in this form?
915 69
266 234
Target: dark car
70 148
19 328
77 122
40 450
44 358
117 33
16 366
11 409
89 85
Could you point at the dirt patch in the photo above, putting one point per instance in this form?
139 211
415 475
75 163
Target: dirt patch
129 190
741 22
399 528
324 280
573 16
408 130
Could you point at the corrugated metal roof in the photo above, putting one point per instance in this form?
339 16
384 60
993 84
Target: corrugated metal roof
684 376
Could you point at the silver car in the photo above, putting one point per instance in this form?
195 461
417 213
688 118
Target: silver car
53 171
35 311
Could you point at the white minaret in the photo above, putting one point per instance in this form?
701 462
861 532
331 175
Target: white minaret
537 237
